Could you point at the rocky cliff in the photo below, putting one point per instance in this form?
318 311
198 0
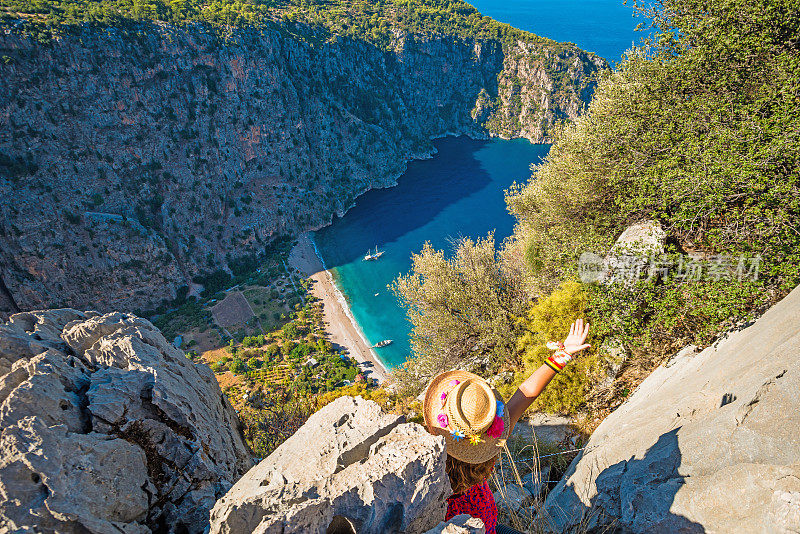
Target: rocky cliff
707 443
132 160
106 427
350 464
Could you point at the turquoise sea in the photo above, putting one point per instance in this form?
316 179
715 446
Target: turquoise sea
459 192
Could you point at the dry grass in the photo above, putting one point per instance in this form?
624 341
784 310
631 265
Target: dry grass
523 456
232 311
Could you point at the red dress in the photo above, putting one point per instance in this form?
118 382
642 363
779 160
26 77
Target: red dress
477 501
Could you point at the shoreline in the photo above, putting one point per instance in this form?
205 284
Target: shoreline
340 325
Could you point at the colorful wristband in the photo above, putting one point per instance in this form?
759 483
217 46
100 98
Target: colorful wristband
559 358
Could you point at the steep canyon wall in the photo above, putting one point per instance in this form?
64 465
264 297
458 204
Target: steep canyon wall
133 161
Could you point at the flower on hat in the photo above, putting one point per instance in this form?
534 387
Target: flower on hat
457 435
496 430
475 439
442 419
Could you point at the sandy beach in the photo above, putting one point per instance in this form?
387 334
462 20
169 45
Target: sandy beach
338 321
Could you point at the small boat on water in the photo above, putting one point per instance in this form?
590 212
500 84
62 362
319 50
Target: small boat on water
373 255
383 343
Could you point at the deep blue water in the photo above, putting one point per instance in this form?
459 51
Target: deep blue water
605 27
459 192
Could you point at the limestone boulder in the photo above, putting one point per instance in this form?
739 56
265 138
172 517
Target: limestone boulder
709 442
645 237
460 524
350 464
107 427
628 258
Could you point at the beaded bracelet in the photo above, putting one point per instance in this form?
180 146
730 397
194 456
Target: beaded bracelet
559 358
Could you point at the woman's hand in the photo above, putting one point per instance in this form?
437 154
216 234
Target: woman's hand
577 335
535 384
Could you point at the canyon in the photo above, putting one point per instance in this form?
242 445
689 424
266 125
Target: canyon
136 162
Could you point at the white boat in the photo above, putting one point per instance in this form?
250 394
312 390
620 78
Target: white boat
373 255
383 343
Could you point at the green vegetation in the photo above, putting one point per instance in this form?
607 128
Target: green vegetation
237 366
462 309
281 376
357 19
192 315
547 320
700 133
697 130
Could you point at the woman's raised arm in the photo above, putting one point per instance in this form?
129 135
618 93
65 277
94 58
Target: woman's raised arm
535 384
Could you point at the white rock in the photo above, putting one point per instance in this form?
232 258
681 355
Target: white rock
349 460
107 427
546 428
707 443
460 524
646 237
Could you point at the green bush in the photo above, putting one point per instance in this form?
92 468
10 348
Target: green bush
253 341
290 331
237 366
288 347
549 319
302 349
693 133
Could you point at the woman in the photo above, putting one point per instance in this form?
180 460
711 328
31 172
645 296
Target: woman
475 422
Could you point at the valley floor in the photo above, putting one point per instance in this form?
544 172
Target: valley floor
339 323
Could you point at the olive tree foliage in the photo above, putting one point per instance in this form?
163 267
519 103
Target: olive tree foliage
699 130
465 310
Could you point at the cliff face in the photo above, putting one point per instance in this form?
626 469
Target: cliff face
707 443
106 427
130 162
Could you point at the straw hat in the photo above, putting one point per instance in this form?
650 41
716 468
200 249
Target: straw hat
463 408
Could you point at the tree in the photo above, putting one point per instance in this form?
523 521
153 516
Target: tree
289 331
237 366
288 347
463 309
272 350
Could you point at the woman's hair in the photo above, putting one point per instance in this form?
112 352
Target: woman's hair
463 475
